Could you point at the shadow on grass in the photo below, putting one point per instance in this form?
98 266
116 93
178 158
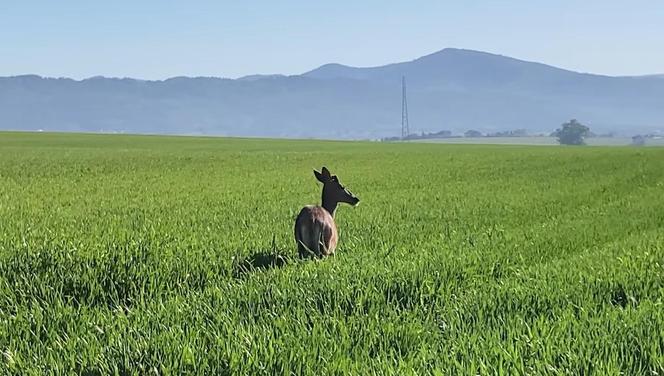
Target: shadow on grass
260 260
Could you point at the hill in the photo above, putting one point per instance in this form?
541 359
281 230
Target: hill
451 89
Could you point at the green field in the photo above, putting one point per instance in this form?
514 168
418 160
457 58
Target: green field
167 255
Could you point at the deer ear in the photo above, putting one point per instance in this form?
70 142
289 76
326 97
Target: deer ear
321 178
325 172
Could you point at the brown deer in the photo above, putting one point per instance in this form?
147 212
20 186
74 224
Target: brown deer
315 230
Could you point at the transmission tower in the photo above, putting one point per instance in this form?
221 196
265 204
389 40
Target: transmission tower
405 131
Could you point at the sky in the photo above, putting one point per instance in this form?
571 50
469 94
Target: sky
157 39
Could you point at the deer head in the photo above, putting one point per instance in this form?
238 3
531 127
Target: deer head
333 191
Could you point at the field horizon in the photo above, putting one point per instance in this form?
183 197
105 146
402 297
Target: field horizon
141 254
485 140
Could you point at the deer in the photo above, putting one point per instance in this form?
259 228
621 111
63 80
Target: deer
315 230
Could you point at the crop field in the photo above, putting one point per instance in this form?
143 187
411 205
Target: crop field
175 255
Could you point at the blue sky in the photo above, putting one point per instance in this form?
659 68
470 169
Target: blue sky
156 39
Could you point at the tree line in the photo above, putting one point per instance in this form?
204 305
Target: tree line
569 133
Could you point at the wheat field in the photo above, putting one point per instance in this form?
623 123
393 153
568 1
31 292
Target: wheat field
136 255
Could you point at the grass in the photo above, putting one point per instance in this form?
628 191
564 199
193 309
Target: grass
167 255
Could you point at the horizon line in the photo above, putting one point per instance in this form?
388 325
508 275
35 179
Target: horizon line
259 76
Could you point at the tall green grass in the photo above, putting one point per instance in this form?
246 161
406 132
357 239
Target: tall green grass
166 255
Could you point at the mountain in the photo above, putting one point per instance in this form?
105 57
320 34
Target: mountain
452 89
254 77
660 76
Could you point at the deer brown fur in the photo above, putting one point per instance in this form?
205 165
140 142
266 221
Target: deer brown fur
315 230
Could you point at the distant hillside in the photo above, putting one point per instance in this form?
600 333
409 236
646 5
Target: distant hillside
451 89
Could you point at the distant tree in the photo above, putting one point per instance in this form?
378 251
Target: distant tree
441 134
472 133
512 133
519 133
571 133
421 136
638 140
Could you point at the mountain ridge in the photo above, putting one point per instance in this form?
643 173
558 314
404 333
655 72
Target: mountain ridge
453 89
275 75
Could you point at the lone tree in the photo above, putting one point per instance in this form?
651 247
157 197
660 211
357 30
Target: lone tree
572 133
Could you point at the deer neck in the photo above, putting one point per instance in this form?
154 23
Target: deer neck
329 205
